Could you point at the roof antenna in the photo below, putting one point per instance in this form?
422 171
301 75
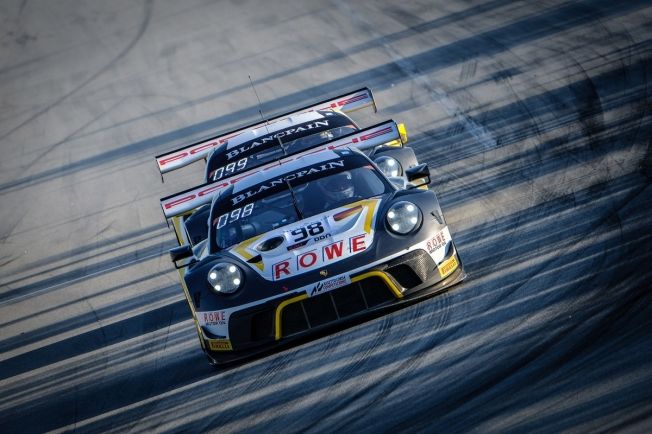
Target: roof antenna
260 106
260 110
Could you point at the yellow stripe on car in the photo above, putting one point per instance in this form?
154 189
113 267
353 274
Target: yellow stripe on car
241 249
279 311
384 277
396 290
371 210
176 222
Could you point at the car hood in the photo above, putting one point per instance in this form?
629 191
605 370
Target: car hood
311 243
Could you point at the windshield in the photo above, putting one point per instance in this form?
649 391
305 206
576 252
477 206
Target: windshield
261 213
276 152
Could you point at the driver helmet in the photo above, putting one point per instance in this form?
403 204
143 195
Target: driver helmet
339 186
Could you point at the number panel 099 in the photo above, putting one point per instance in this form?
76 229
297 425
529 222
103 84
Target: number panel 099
229 169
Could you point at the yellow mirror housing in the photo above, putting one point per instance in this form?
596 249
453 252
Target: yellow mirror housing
402 131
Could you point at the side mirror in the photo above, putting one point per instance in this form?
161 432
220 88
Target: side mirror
420 172
180 253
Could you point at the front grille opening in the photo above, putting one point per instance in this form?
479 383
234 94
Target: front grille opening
405 276
349 300
375 291
412 269
262 325
320 310
251 326
337 304
294 320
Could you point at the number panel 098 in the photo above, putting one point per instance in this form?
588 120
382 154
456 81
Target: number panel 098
234 215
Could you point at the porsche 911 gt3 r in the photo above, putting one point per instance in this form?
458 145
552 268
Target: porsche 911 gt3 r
305 244
316 237
244 141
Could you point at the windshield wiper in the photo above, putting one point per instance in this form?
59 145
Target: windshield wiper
294 200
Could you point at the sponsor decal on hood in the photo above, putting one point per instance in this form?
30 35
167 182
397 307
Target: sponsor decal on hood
330 237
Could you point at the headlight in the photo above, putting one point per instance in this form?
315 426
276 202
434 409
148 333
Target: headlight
388 165
403 217
225 278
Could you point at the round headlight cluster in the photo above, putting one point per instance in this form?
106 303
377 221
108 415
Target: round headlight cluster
225 278
388 165
403 217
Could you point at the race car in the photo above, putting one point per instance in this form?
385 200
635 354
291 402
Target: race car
317 237
244 141
268 143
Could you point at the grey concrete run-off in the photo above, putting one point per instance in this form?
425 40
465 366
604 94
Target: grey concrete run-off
535 118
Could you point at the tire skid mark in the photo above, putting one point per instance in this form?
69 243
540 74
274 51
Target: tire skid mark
411 318
439 307
19 297
103 359
436 92
467 396
268 371
581 359
365 350
275 367
353 369
72 135
331 343
540 191
582 332
368 348
93 77
577 330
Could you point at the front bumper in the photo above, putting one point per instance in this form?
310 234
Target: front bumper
285 321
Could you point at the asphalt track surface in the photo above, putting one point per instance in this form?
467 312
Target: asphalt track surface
536 121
